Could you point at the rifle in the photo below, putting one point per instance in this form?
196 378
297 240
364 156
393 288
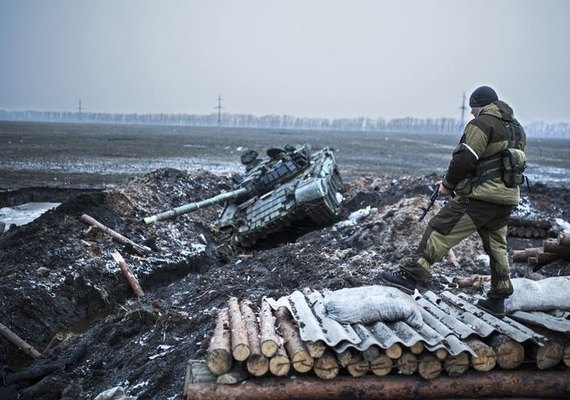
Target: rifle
432 199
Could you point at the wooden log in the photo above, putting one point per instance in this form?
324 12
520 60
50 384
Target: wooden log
344 358
510 354
357 366
566 355
546 356
429 366
279 364
269 340
219 354
394 351
407 363
196 372
474 281
326 367
300 358
371 353
316 349
382 365
128 274
543 258
452 258
485 359
417 348
19 342
239 339
549 384
257 364
441 353
554 246
564 239
236 375
456 365
115 235
520 256
533 261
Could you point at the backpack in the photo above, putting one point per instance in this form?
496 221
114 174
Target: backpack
510 164
514 157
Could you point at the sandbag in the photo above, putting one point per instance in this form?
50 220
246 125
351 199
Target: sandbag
369 304
116 393
545 295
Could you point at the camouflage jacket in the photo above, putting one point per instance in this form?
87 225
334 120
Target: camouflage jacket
484 136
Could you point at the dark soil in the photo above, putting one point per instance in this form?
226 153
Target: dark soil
63 293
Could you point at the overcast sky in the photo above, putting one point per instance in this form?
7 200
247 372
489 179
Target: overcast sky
325 58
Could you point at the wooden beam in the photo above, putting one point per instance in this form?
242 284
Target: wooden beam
382 365
547 384
326 367
407 363
257 363
485 359
19 342
456 365
300 358
115 235
239 339
510 354
128 274
219 356
269 340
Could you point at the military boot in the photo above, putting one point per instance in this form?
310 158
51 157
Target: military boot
493 306
400 279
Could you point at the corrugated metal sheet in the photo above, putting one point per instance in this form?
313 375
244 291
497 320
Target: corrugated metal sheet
448 321
557 324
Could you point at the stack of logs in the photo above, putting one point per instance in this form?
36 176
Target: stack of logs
551 250
243 345
525 228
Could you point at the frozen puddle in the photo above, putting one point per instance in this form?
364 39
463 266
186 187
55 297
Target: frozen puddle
23 213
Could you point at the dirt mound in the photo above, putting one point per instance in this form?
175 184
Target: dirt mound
63 293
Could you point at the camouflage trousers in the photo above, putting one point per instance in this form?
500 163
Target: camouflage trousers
458 219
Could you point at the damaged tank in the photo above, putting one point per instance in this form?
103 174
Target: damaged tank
291 184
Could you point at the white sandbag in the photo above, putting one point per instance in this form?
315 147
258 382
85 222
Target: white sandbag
116 393
544 295
369 304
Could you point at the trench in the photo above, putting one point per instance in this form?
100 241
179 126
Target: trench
77 312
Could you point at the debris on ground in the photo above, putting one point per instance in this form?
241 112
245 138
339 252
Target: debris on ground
63 292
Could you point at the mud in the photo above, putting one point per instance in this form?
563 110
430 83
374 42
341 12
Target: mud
63 293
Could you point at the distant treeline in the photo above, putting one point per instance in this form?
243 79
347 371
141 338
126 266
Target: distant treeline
405 125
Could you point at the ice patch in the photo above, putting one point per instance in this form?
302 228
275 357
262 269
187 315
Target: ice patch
354 217
547 174
564 225
24 213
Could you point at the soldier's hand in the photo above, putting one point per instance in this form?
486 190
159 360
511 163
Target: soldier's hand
443 191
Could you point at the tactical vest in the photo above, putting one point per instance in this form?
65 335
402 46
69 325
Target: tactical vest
510 164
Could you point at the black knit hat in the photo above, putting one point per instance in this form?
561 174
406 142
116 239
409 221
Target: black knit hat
482 96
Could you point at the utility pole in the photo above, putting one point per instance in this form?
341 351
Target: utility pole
79 109
219 108
462 108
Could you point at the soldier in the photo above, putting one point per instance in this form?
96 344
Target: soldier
484 197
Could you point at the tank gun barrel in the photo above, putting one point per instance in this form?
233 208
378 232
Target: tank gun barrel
186 208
